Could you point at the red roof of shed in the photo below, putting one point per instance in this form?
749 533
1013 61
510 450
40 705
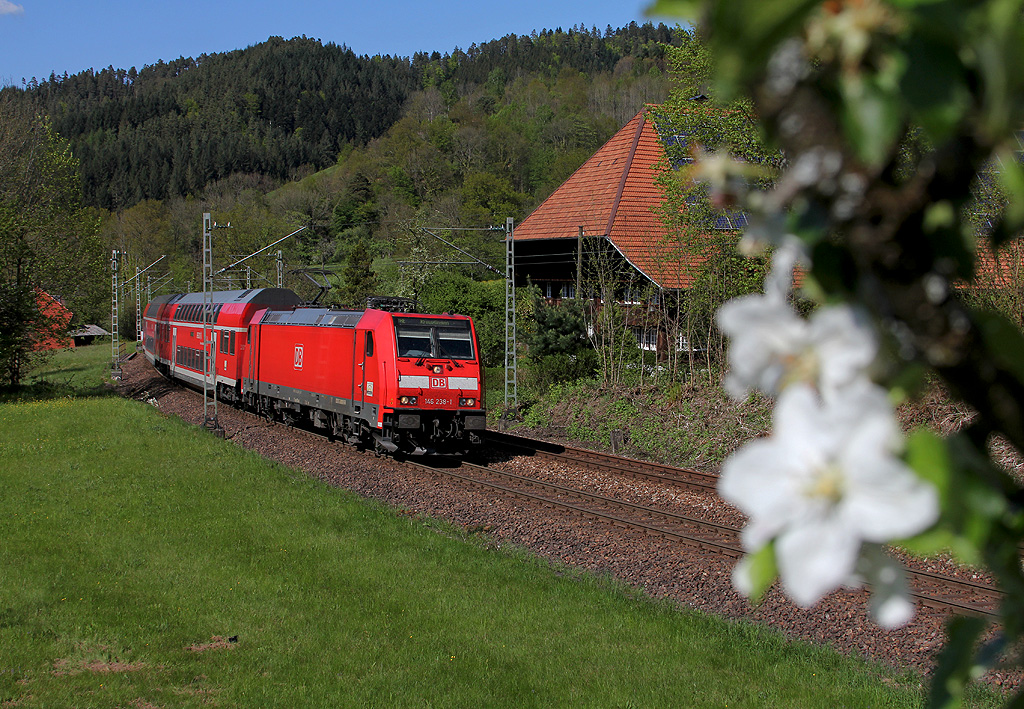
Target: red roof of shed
613 194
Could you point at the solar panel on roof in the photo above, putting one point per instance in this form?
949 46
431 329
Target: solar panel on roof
731 219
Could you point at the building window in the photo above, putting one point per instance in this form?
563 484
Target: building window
569 290
683 345
646 338
633 295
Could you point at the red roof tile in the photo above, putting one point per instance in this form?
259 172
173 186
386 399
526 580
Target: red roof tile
613 194
1002 268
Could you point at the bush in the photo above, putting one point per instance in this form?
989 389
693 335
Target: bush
560 368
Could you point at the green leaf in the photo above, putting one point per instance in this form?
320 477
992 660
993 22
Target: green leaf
997 42
975 503
872 116
906 4
683 9
943 541
956 664
761 570
1011 179
908 381
934 84
929 457
1003 340
833 268
972 502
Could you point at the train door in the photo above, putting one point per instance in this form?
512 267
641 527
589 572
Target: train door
252 352
358 370
371 383
174 349
365 359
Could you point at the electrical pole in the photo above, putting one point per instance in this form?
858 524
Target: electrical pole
511 356
210 421
511 359
115 344
138 307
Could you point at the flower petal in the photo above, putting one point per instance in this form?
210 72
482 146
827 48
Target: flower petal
845 341
900 504
815 559
763 331
890 603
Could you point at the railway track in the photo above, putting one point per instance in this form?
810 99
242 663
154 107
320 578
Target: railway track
692 532
690 577
686 478
964 592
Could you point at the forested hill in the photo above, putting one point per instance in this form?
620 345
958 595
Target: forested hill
171 128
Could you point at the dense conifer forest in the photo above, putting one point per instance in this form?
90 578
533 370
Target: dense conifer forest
285 107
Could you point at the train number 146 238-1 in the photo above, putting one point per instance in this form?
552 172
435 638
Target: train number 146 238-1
437 402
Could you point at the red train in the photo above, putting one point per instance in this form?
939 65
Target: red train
399 382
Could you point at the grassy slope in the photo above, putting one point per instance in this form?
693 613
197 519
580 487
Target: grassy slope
694 428
130 537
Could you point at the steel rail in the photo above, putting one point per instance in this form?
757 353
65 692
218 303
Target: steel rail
727 550
644 509
680 477
724 549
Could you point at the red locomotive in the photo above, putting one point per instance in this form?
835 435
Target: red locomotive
400 382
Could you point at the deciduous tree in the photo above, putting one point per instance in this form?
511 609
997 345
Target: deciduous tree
47 239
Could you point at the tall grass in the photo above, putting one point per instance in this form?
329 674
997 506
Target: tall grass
136 547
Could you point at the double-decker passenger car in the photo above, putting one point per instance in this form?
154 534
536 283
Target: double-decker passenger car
401 382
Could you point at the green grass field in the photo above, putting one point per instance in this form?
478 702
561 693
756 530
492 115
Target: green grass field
134 546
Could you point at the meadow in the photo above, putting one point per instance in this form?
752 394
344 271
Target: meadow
146 563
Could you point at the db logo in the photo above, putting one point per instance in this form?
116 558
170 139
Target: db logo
298 356
438 383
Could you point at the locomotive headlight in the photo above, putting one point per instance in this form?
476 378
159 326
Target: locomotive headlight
437 369
468 403
407 400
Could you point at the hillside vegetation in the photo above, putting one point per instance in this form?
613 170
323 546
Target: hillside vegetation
282 106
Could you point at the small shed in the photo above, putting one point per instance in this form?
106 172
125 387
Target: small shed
85 335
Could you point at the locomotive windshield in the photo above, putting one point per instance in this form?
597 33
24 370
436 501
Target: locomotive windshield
434 337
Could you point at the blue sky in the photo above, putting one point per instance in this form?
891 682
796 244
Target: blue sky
40 36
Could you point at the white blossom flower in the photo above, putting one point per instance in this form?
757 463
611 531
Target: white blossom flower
765 335
825 482
890 604
772 346
780 278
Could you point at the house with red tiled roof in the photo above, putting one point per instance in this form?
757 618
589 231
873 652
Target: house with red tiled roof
610 206
612 196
